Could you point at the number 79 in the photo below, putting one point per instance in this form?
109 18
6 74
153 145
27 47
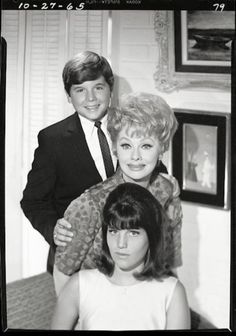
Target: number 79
219 6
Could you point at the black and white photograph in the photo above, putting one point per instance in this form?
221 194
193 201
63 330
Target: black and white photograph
117 195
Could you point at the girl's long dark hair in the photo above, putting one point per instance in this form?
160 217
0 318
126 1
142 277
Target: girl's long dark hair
130 206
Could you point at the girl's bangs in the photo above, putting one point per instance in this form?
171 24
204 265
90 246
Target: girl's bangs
124 224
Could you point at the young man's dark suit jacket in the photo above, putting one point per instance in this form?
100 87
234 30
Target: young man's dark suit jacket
62 169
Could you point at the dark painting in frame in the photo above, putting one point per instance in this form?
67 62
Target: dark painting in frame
203 41
200 157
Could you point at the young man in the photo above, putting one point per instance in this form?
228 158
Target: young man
68 159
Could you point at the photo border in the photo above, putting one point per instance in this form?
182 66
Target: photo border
175 81
3 308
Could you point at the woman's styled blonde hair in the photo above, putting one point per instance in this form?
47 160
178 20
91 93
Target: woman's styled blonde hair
145 113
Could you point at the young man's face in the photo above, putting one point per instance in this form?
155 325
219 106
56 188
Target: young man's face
91 98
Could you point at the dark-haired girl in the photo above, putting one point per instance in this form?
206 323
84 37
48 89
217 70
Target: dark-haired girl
130 289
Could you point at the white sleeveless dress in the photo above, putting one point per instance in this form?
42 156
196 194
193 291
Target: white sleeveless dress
107 306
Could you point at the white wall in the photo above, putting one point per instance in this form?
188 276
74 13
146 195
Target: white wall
206 262
206 231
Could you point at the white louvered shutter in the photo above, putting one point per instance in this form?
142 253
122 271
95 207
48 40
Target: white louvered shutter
43 105
87 31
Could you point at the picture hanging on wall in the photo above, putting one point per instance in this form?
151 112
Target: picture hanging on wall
203 41
200 155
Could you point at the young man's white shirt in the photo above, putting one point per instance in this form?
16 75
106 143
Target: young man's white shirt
90 131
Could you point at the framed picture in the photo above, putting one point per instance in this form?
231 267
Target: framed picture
182 61
200 155
203 41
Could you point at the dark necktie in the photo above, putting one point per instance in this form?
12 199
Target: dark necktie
105 150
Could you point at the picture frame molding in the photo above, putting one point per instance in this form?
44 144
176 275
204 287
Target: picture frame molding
166 78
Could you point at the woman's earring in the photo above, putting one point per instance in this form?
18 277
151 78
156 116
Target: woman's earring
159 160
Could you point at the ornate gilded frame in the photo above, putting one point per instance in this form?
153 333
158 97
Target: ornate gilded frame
165 76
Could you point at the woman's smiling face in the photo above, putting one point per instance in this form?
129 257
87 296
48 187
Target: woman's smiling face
138 154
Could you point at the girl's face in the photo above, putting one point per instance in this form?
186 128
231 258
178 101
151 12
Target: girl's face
137 154
128 248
